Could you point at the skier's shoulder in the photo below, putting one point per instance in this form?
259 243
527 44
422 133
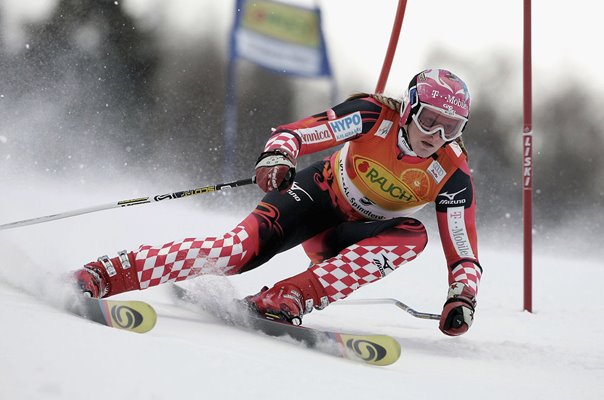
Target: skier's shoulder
365 103
455 156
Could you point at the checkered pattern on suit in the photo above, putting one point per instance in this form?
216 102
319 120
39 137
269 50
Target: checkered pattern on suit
283 140
177 261
358 265
467 273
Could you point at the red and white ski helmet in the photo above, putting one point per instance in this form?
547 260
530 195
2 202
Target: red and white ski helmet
439 88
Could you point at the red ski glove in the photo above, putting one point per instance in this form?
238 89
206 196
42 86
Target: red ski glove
458 311
275 170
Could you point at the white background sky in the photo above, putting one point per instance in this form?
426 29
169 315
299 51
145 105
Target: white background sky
565 34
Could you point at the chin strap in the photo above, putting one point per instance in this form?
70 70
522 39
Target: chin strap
403 143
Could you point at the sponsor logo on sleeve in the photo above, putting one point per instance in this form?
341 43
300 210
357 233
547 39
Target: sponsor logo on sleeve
450 198
347 127
458 232
384 128
457 191
315 134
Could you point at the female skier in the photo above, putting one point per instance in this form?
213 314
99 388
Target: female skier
350 211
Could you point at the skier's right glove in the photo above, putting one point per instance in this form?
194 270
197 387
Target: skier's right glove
458 312
275 170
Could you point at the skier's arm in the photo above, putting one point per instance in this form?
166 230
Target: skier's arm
351 120
456 216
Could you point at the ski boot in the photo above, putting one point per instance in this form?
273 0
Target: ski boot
107 277
89 280
290 299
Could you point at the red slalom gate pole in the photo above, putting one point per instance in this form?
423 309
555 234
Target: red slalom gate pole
527 168
396 31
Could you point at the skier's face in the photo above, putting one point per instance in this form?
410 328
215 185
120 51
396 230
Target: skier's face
423 145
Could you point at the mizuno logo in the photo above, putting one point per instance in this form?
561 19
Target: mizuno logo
451 196
296 187
383 265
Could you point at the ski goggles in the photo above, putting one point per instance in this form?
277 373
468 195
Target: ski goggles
430 120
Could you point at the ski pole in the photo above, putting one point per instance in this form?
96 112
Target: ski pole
131 202
396 302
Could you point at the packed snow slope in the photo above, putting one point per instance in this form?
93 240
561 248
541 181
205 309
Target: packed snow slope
45 353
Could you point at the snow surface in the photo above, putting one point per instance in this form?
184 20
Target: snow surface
45 353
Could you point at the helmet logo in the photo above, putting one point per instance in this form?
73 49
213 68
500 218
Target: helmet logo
456 102
438 88
449 109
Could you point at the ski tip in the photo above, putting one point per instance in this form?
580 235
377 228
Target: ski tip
134 316
379 350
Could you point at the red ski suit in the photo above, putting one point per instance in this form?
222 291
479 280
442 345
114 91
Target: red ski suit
350 211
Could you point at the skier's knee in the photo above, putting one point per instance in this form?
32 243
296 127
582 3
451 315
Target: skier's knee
414 232
406 233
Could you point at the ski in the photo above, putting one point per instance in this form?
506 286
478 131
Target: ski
371 349
131 315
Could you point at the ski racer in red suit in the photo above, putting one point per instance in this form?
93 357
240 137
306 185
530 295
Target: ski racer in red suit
350 211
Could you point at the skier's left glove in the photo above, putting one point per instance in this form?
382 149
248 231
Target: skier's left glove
458 312
275 170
